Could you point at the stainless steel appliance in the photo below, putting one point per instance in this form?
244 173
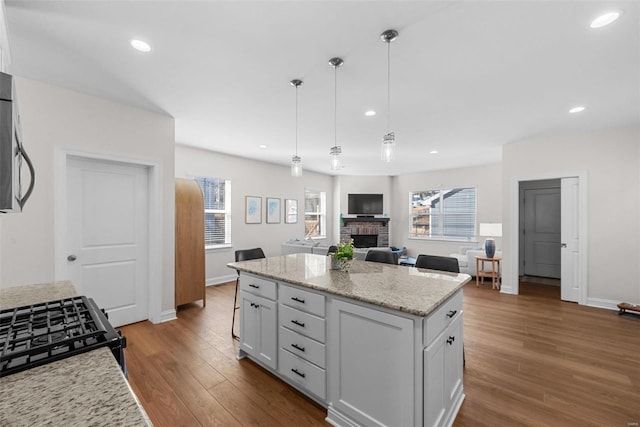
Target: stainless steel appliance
37 334
12 151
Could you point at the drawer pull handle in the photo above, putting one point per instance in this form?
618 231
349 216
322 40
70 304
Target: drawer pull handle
295 371
296 299
255 305
297 347
295 322
254 286
451 340
451 313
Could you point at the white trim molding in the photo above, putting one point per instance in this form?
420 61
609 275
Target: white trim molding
510 274
220 280
155 244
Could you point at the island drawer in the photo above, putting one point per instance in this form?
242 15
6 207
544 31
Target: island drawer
304 323
442 317
258 286
302 299
302 346
303 373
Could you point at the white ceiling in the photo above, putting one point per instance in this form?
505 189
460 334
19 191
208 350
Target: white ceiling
466 77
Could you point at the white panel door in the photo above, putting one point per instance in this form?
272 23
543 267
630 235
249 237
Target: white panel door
542 232
570 280
107 236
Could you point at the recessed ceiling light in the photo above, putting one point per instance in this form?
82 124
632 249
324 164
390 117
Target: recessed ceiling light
262 146
140 45
433 152
576 109
604 19
370 113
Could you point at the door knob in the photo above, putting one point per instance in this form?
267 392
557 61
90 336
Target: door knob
72 258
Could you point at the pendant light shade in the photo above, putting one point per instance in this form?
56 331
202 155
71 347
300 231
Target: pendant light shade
389 139
336 150
296 161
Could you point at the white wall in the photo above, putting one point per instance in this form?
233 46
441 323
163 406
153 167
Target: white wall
488 182
611 161
252 178
54 117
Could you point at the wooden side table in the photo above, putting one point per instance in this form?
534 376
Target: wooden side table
496 279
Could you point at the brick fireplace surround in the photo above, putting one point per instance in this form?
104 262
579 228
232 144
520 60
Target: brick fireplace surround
364 229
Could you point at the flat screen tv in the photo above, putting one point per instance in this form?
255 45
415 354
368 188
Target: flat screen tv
365 204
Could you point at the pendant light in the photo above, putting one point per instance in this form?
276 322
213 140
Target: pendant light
296 161
336 150
389 139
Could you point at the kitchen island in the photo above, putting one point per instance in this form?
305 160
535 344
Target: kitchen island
88 389
378 345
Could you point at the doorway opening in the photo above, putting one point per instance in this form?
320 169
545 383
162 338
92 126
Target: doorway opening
573 235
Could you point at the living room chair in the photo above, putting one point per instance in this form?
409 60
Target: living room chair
386 257
435 262
243 255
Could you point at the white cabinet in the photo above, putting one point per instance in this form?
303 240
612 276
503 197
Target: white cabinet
372 367
302 333
258 320
443 374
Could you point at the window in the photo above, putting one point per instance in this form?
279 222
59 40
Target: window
443 214
217 211
315 213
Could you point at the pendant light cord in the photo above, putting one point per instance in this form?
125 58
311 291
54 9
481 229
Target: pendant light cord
296 120
335 106
388 86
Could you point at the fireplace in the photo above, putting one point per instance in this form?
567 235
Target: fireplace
365 240
365 232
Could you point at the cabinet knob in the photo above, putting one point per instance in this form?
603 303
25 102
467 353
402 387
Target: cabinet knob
451 340
451 313
72 258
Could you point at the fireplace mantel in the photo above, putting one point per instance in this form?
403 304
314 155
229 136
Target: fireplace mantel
384 221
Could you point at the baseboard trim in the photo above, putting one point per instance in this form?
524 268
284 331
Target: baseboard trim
603 303
214 281
167 315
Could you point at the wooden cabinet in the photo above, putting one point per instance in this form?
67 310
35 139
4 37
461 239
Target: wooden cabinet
189 250
258 317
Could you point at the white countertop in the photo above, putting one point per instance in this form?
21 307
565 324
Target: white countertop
411 290
84 390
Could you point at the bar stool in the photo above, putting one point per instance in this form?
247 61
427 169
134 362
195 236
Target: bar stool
243 255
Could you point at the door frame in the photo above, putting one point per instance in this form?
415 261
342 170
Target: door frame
154 220
511 264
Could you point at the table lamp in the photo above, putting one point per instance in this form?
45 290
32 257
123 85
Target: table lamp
490 230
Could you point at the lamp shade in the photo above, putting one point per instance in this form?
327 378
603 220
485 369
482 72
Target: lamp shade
491 229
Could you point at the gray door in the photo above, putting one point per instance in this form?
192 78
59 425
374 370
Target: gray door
542 232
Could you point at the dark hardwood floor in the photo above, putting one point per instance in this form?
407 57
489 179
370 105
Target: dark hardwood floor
531 360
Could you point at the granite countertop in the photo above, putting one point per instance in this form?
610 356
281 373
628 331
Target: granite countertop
411 290
88 389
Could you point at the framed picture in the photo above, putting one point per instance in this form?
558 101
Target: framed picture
253 210
273 210
290 211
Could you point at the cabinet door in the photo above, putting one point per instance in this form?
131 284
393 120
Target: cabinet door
249 323
371 366
258 328
453 362
268 333
435 406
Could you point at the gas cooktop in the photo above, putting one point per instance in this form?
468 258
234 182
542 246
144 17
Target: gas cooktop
37 334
